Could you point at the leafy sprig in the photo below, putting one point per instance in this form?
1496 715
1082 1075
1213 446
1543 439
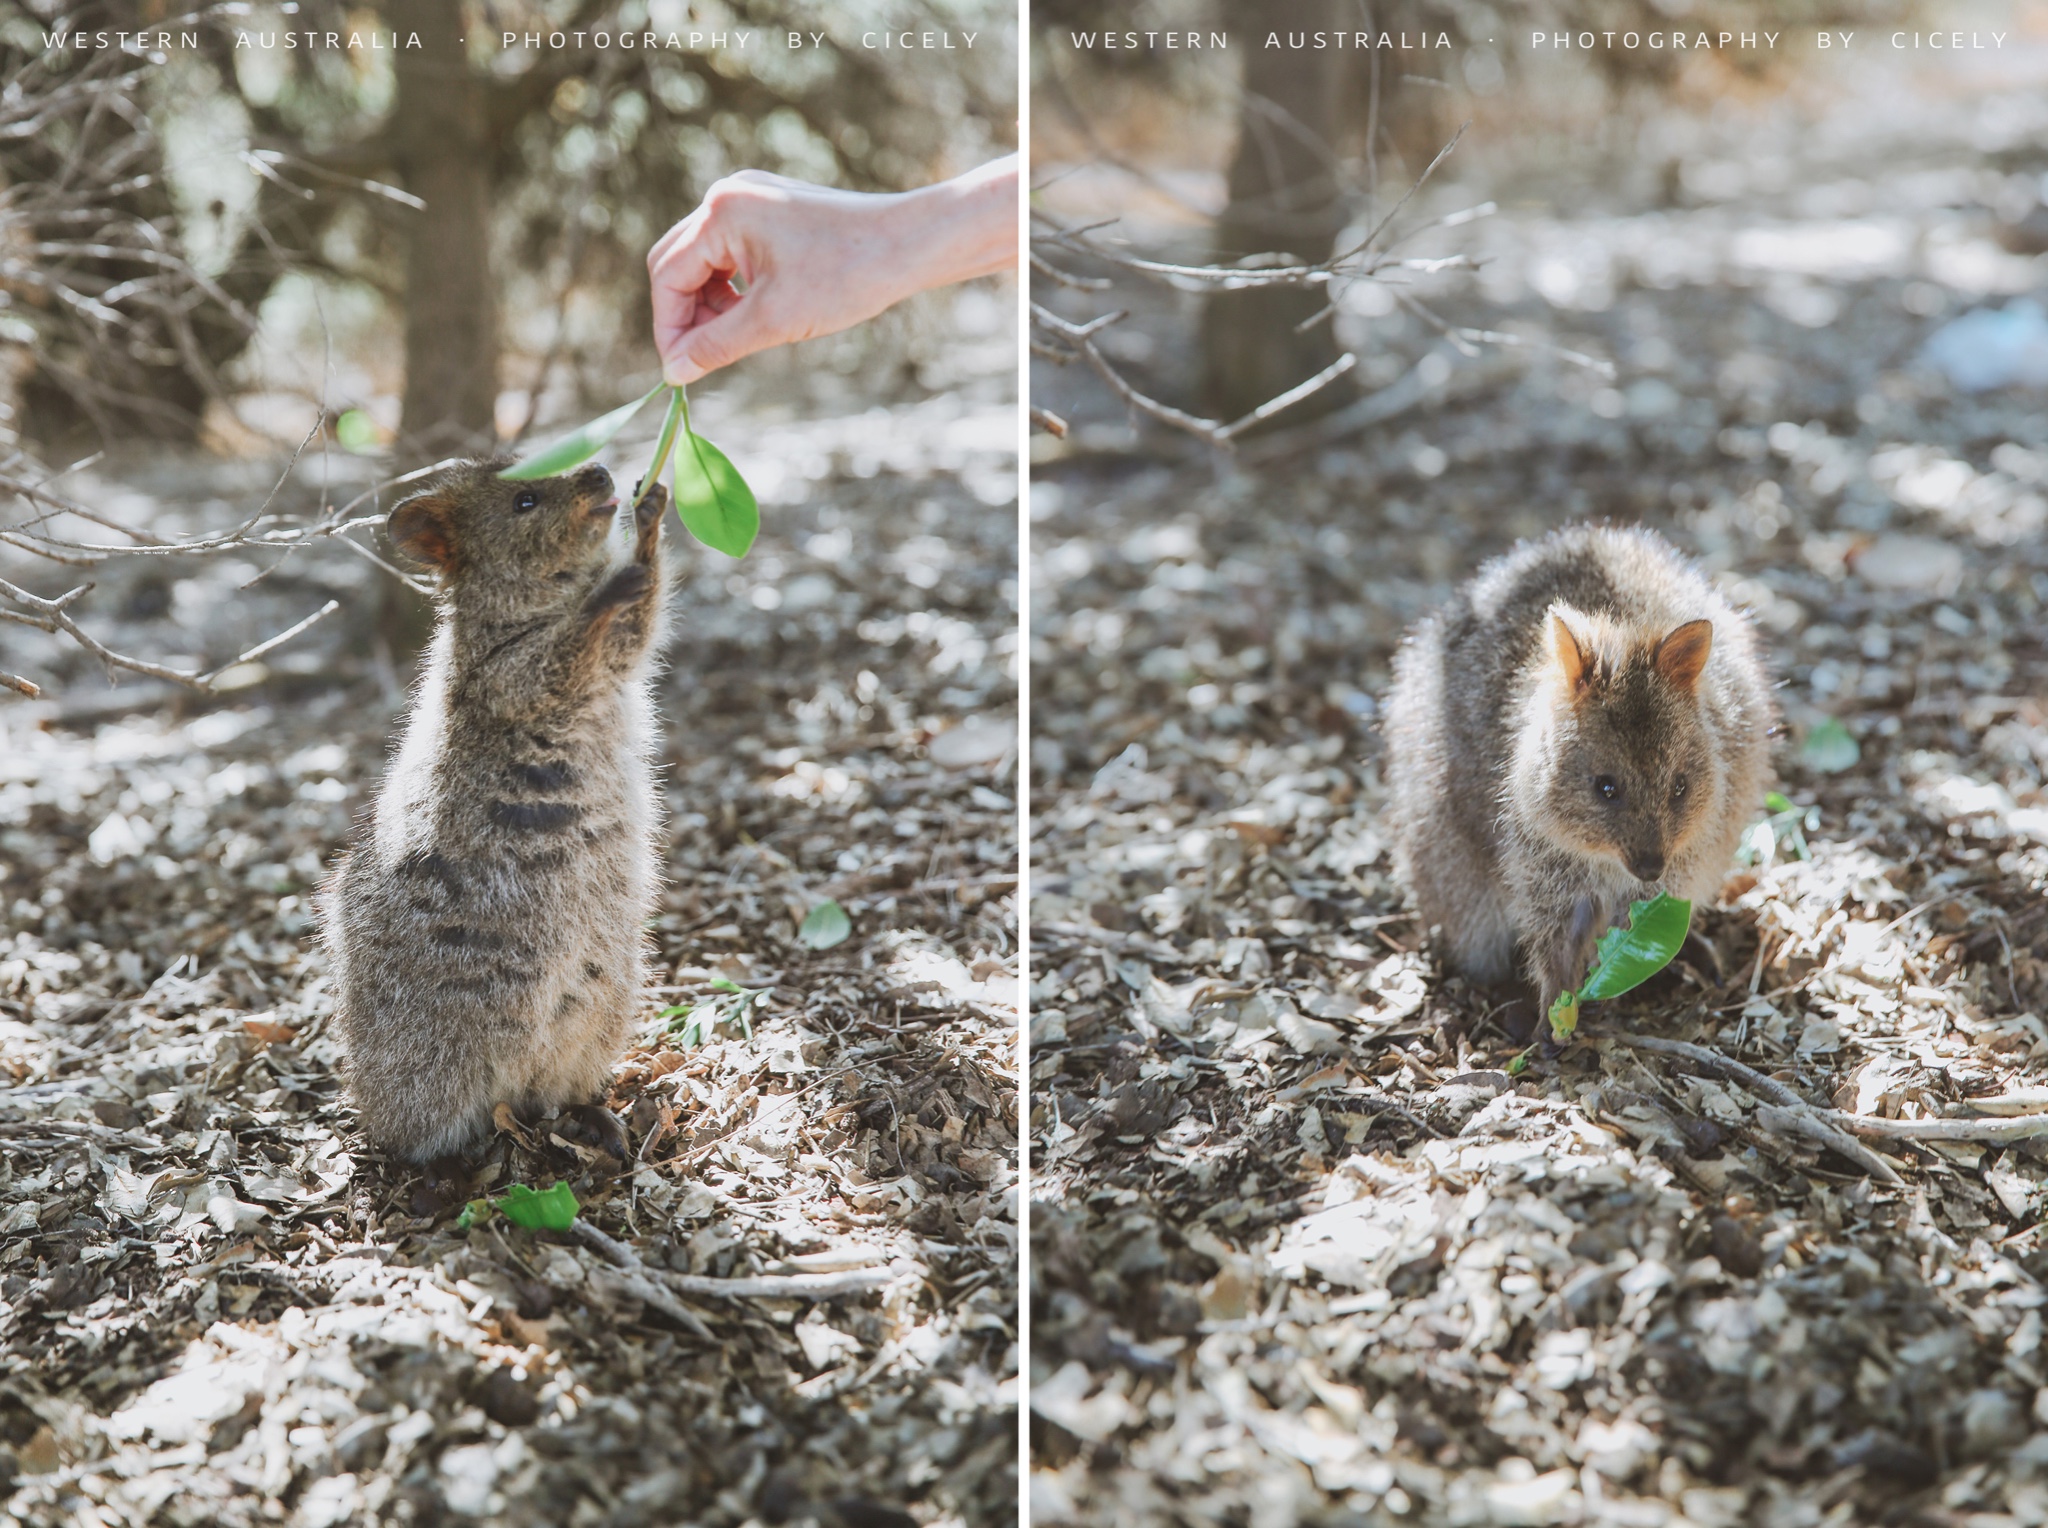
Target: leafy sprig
1625 958
712 499
693 1023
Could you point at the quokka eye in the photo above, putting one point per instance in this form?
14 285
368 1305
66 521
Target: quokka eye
527 500
1606 787
1678 789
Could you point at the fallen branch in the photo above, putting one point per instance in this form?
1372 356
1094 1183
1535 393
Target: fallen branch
1816 1126
2026 1101
763 1286
1712 1062
1786 1113
639 1279
1993 1132
2018 1116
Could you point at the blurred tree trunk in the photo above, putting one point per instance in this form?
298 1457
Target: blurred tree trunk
440 140
1283 197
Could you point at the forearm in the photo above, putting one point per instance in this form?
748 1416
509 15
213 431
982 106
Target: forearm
960 228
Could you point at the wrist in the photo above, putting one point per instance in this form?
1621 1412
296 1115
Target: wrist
958 229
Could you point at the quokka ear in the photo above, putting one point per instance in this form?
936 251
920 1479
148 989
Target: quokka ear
1573 657
1682 655
424 529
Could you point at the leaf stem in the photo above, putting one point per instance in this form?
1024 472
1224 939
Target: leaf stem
677 422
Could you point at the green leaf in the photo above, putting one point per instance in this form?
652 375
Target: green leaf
551 1209
690 1023
1829 748
824 926
356 431
1773 802
577 447
476 1211
1564 1015
725 984
712 500
1519 1065
1628 957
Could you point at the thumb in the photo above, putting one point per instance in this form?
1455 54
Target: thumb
718 341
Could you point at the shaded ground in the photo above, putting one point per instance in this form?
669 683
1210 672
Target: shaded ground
1305 1250
216 1307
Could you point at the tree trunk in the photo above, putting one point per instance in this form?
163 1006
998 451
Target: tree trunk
1283 198
440 139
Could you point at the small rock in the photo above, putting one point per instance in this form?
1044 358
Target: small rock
1736 1247
1992 1423
1909 564
975 741
536 1300
560 1269
508 1400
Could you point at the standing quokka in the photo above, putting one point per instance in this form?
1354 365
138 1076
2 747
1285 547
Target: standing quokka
487 926
1583 726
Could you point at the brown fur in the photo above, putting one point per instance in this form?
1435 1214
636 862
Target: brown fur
486 927
1581 727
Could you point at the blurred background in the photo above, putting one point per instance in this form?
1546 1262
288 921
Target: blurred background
1785 307
449 236
357 260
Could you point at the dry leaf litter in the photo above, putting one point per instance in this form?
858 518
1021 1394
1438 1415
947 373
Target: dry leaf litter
1306 1249
217 1308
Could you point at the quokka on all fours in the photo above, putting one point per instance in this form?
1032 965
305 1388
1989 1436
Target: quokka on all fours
487 924
1584 725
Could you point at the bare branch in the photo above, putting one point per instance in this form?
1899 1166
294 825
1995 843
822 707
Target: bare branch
1369 259
1067 278
1081 340
328 609
1288 399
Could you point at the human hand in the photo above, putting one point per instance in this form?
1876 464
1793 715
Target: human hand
766 260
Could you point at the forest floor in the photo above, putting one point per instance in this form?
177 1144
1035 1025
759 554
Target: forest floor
1310 1246
218 1307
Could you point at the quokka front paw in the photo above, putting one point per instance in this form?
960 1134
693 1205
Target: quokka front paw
647 513
1561 964
628 586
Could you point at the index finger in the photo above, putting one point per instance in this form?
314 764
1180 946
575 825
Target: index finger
690 253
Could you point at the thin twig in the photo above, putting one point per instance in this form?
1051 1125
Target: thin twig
275 642
1081 339
794 1286
1995 1132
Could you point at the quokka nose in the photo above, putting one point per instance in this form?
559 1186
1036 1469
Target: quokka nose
594 479
1646 866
